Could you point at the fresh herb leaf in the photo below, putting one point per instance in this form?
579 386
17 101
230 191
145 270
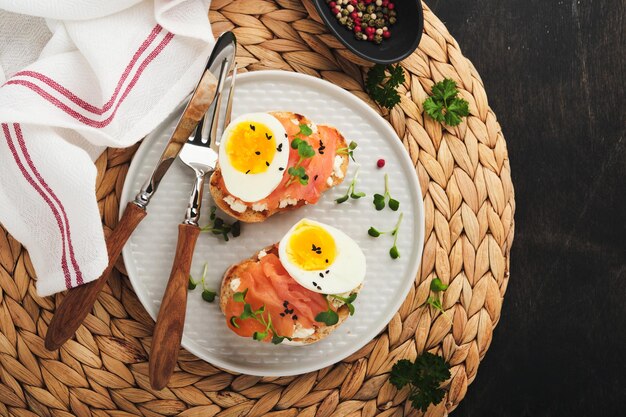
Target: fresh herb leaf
348 150
247 312
257 315
444 105
240 297
382 87
373 232
260 336
424 376
208 296
346 300
219 227
192 285
436 285
328 317
305 130
394 204
394 253
380 200
305 151
351 193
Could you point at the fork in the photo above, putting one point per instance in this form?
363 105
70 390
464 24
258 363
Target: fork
200 154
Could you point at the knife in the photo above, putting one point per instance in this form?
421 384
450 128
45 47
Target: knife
79 301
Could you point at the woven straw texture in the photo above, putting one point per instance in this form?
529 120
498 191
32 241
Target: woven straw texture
469 202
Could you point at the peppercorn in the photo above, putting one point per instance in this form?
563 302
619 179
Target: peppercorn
367 19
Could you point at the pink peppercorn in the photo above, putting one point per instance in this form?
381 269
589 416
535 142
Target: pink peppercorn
380 163
386 34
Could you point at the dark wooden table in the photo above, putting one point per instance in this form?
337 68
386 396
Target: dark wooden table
555 72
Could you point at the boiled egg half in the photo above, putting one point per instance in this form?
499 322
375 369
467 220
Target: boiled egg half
322 258
253 156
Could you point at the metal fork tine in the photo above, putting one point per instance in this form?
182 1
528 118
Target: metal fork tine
229 104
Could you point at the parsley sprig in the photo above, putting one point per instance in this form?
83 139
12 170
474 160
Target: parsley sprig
424 377
381 84
348 150
219 227
351 193
207 294
444 105
305 151
393 252
258 315
380 199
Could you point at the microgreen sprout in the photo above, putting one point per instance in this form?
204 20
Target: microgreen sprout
348 150
328 317
380 199
305 151
258 315
207 294
219 227
346 300
393 252
437 286
351 193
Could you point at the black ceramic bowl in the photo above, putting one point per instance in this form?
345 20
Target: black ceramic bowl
405 34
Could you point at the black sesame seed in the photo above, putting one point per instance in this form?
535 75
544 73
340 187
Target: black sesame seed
282 314
285 303
294 317
286 135
280 147
268 136
267 163
319 288
321 275
326 260
257 153
281 169
315 177
314 284
247 171
328 271
253 127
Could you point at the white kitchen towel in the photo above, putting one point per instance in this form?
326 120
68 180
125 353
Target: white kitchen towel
78 77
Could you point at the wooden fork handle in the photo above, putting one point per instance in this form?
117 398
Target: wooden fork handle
79 301
168 330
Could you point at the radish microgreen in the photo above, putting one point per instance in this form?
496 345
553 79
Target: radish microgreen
305 151
351 193
380 199
258 315
346 300
207 294
328 317
393 252
219 227
437 286
348 150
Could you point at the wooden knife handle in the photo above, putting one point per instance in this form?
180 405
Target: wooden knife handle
79 301
168 330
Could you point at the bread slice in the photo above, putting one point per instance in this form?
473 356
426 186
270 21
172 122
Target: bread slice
253 216
226 292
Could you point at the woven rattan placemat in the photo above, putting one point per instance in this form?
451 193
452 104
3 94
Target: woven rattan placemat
469 202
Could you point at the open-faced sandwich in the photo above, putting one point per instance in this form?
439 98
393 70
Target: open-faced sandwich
270 162
296 291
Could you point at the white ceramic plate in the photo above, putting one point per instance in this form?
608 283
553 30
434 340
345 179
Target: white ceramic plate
148 254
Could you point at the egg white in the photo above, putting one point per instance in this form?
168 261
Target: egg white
254 187
347 272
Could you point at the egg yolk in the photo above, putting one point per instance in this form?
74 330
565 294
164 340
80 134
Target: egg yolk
251 147
311 248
